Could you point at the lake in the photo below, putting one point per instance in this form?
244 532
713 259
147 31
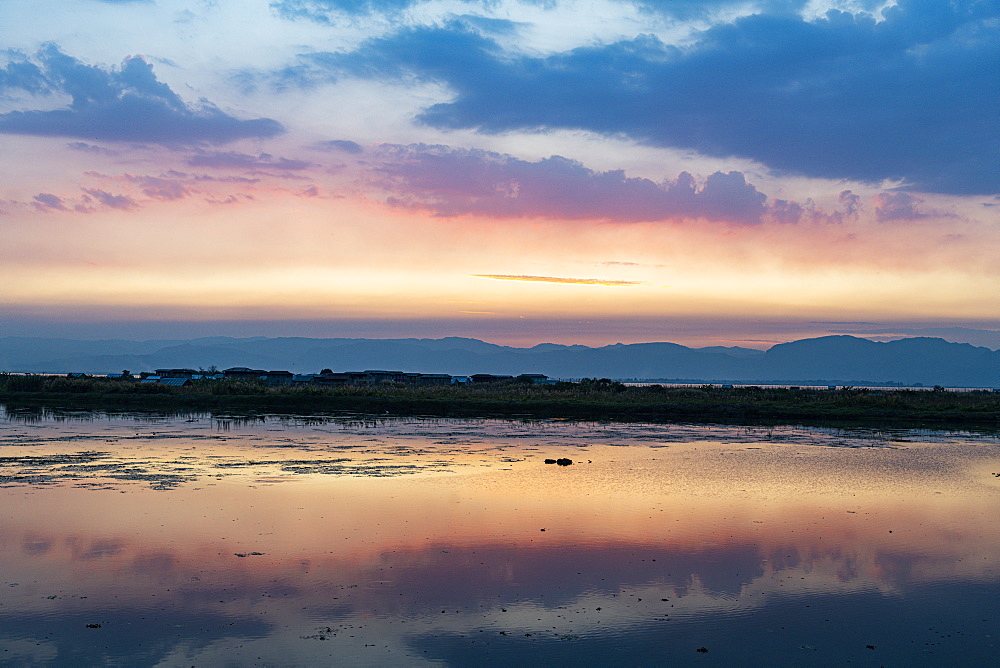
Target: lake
207 540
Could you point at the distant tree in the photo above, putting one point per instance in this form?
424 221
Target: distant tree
126 373
326 371
602 384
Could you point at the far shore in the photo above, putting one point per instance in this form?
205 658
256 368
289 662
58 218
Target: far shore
590 399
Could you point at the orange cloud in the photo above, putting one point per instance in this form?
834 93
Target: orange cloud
556 279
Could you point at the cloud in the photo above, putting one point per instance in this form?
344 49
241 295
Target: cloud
22 75
322 11
912 96
230 199
234 160
851 202
84 147
326 11
125 104
339 145
896 206
48 202
453 182
160 188
120 202
554 279
702 9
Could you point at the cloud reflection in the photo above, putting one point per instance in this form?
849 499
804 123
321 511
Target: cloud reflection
766 546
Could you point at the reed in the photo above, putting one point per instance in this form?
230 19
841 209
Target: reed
591 398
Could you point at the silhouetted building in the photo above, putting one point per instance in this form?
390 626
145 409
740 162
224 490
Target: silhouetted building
244 373
375 376
432 379
333 378
488 378
278 377
176 373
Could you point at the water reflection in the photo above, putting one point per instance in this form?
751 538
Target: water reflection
798 547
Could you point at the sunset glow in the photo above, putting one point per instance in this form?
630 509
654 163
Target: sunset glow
264 165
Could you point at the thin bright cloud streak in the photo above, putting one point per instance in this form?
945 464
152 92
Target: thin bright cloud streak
294 232
357 292
556 279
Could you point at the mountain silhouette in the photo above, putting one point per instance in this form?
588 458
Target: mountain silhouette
825 360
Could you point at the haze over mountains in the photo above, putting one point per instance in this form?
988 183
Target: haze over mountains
829 359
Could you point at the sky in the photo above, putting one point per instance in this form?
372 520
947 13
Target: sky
707 172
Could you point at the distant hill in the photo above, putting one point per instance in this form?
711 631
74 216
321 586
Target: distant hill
842 360
929 361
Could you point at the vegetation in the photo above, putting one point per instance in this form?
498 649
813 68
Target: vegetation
588 399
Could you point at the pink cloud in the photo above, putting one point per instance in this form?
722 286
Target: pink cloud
160 188
48 202
456 182
120 202
897 206
452 182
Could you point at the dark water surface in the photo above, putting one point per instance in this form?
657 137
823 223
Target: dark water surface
203 540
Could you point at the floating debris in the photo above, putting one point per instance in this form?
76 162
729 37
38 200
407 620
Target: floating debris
562 461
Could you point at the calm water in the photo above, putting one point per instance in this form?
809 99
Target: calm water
210 541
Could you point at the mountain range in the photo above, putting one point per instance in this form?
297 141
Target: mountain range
847 360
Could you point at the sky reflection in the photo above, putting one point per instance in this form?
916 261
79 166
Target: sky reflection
760 551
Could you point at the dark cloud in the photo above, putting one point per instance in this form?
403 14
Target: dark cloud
234 160
20 74
120 104
912 97
455 181
338 145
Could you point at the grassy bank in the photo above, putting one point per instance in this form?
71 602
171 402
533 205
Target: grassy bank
584 400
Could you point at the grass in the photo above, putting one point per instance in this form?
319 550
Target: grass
588 399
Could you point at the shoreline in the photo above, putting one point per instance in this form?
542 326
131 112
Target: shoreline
897 409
